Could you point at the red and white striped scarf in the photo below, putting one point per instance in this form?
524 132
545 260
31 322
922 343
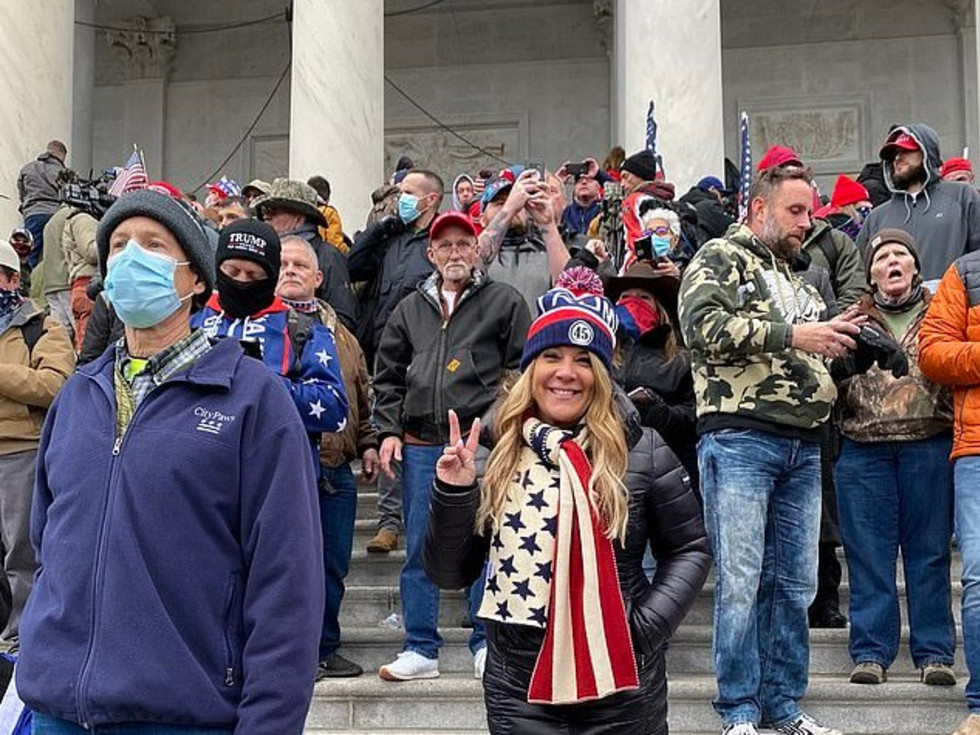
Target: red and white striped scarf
587 652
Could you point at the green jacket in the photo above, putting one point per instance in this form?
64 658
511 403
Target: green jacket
835 251
737 308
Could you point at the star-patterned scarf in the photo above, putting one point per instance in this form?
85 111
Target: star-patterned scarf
587 651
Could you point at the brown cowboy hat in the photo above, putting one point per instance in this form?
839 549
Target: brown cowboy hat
642 275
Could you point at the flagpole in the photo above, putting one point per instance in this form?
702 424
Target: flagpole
139 151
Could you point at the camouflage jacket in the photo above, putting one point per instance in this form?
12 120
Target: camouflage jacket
737 308
877 407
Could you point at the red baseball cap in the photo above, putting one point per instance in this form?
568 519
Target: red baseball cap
452 217
779 155
898 139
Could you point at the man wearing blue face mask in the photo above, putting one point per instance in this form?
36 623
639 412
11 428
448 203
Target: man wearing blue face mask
390 256
174 517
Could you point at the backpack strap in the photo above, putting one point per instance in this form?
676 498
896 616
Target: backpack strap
299 327
33 330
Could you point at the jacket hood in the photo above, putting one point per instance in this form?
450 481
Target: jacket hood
24 313
928 142
461 177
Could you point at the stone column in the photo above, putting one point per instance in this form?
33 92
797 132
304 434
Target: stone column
669 51
35 85
336 125
83 87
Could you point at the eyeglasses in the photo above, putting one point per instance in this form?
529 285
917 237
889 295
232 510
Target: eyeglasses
463 246
661 231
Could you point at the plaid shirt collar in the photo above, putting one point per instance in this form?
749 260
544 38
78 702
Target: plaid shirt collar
166 363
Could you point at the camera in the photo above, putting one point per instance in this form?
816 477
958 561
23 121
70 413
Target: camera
577 170
92 196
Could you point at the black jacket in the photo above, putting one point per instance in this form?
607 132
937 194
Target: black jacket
392 260
427 364
671 413
664 515
104 328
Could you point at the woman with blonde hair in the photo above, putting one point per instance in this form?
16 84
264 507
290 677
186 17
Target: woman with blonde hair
574 493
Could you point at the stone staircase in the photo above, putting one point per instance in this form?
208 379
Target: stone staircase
453 704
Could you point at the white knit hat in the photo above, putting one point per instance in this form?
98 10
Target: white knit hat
9 257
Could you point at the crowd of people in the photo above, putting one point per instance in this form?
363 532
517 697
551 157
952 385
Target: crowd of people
575 390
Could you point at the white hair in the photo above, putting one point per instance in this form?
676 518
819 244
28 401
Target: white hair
668 215
297 240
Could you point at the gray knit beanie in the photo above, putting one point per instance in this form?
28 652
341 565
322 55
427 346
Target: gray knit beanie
170 213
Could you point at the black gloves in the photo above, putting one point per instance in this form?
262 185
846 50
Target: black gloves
872 347
391 225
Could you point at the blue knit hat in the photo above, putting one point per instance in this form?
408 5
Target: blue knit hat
573 314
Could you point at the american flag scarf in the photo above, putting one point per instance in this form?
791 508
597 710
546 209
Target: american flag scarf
587 651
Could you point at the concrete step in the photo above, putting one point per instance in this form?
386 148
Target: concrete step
689 652
372 594
454 704
367 606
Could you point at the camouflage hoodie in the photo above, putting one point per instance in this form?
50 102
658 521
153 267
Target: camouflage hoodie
737 308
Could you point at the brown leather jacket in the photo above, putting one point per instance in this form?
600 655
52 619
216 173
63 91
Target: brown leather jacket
359 435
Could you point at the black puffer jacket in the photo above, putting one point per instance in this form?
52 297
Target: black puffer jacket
664 515
671 412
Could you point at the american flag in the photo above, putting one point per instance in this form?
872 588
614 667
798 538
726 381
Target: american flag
131 176
745 183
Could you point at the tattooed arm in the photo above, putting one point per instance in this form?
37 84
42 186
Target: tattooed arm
493 235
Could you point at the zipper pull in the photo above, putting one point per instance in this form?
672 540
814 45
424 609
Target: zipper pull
229 677
116 445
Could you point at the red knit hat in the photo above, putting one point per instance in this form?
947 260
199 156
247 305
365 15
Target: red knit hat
848 191
779 155
955 164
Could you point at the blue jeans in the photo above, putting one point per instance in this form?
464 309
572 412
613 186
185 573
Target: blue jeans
420 597
338 507
762 512
898 496
966 474
46 725
35 224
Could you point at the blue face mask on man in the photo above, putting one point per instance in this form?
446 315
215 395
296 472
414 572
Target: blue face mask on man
140 286
408 208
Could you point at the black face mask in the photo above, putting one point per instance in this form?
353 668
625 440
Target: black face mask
239 300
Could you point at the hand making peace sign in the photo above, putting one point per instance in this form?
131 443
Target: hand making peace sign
457 465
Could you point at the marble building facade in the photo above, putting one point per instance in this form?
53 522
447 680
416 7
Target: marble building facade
347 84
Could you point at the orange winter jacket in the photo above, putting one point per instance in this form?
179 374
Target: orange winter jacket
949 348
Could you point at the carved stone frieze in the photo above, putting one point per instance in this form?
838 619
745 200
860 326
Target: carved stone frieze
142 48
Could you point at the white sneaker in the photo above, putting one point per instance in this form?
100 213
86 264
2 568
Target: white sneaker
741 728
410 665
805 725
479 663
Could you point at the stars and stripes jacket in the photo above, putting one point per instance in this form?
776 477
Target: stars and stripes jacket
317 386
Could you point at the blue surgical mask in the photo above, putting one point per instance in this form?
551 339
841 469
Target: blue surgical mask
140 286
408 208
660 245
